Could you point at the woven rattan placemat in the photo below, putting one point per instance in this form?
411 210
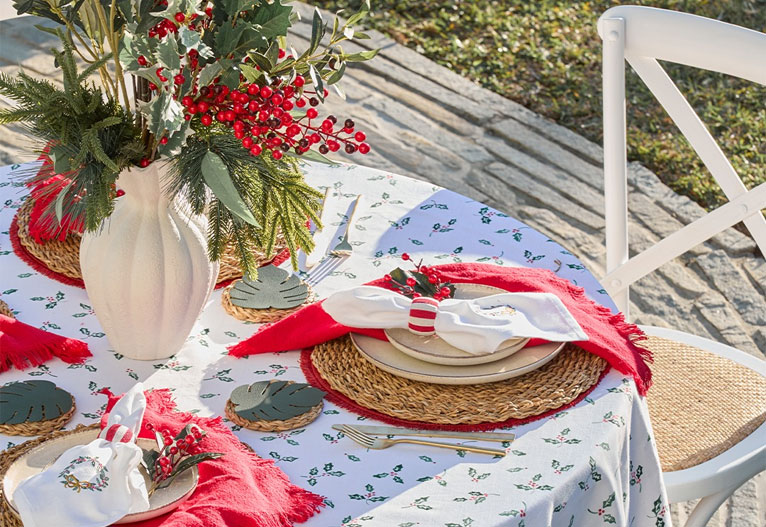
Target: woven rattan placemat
558 383
5 310
260 315
63 257
700 404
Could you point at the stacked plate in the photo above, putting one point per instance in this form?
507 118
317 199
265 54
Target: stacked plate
430 359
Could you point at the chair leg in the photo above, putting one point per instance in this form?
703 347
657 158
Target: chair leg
706 507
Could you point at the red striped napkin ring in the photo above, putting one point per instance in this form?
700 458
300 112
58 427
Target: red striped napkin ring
422 315
117 434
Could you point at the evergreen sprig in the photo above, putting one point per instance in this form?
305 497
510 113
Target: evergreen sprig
274 192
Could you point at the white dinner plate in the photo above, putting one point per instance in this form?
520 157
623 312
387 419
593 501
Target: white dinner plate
386 357
36 460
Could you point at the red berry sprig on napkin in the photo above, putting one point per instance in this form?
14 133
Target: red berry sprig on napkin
423 281
174 455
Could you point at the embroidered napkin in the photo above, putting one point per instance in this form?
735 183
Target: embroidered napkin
238 489
477 326
609 336
22 346
91 485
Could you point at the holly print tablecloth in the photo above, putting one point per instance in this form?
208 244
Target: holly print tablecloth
592 464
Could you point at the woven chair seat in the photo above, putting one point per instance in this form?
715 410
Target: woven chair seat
701 404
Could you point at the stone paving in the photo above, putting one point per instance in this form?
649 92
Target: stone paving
425 121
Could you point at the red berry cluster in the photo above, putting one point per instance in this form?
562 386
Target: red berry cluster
173 451
423 281
260 117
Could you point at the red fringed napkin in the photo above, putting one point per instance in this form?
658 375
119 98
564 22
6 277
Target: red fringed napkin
22 346
610 337
239 489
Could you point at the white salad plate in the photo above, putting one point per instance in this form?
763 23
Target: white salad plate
38 459
388 358
435 350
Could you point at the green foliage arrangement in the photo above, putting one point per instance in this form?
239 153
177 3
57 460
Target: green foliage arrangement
212 88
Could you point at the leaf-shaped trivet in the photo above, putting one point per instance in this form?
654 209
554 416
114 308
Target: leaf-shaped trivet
274 401
32 402
274 288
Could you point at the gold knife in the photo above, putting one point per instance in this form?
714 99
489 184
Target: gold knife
397 431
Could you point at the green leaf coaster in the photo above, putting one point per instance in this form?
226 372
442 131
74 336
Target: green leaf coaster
33 407
274 288
274 405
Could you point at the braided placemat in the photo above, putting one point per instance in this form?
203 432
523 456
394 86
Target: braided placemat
260 315
5 310
61 257
229 268
7 516
553 386
700 404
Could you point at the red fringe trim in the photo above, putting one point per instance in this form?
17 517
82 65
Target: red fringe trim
23 346
314 378
40 267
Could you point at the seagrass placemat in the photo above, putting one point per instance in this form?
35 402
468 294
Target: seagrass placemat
229 268
700 404
555 385
8 517
259 315
5 310
62 257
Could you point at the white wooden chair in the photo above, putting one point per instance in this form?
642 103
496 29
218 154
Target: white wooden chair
642 36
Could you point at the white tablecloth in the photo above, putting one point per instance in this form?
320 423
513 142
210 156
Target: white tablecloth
593 464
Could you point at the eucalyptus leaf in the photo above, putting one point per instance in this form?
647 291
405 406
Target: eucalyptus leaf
32 402
317 31
338 75
217 177
251 74
274 401
59 205
273 288
361 56
316 79
60 155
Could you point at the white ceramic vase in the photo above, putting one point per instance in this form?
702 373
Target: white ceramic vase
146 270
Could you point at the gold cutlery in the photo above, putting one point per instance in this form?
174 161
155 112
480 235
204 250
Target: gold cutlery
375 443
498 437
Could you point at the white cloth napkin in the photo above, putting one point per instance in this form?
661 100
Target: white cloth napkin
476 326
91 485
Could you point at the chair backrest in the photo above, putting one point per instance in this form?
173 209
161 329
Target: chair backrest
642 36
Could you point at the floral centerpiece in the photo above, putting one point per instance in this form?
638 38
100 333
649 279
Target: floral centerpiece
209 101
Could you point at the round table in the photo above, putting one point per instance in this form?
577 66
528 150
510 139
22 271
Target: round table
592 464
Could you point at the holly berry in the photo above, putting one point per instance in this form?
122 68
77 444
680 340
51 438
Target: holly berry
266 92
364 148
206 120
144 163
142 60
405 256
411 282
276 154
299 81
359 136
256 150
164 141
179 79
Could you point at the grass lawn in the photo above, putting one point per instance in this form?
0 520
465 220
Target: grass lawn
546 55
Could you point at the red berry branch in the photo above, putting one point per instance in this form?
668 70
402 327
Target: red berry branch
174 455
423 281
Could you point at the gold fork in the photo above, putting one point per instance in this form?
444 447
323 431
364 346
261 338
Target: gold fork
376 443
